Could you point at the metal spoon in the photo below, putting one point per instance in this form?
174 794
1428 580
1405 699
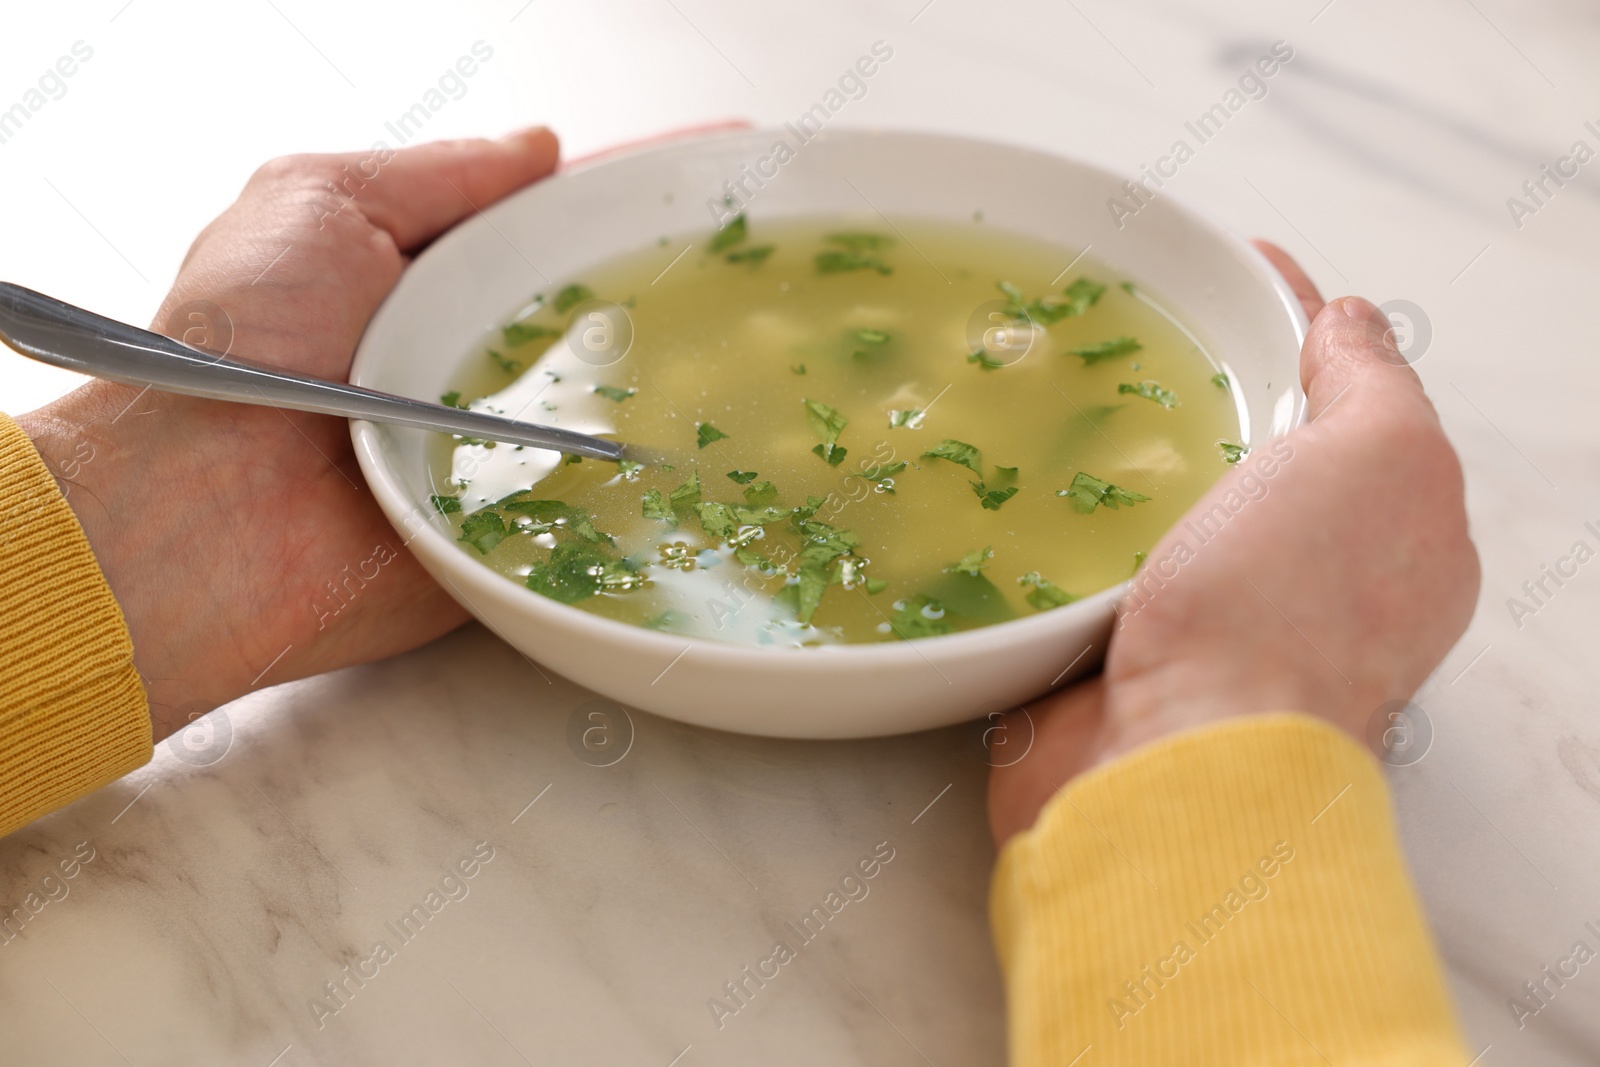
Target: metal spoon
62 335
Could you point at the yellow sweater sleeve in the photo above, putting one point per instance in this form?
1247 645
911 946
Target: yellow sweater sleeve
72 708
1231 896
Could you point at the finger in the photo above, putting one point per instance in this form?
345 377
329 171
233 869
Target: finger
293 266
1304 288
724 126
423 191
1350 345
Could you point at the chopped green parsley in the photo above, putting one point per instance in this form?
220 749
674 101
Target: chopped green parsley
910 418
1088 492
882 475
972 563
834 261
509 366
571 296
731 234
1151 391
520 333
1092 354
755 255
1044 594
958 452
919 616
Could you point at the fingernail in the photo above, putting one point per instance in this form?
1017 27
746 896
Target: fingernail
1360 310
531 133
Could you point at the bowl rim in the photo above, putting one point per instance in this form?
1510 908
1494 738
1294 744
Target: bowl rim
385 483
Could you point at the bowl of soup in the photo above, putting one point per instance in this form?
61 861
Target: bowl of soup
906 412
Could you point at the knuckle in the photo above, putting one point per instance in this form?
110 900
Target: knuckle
294 170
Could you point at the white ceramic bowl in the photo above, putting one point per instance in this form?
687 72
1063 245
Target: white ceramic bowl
467 281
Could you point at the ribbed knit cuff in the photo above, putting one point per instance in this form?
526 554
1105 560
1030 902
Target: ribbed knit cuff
1233 895
72 709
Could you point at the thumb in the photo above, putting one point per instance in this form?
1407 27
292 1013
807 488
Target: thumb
421 192
1350 348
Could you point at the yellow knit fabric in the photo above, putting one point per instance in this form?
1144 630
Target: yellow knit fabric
1232 896
72 709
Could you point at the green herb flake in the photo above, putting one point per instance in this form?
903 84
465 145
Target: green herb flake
686 494
520 333
876 586
576 572
509 366
801 514
751 558
627 467
828 423
872 337
1138 560
742 477
452 399
824 543
958 452
761 493
445 505
551 516
919 616
810 583
655 506
705 433
993 494
983 359
1079 297
909 419
747 515
612 393
1083 294
1044 594
571 296
1151 391
882 475
1088 492
484 529
1219 380
991 499
860 242
972 563
731 234
717 519
1092 354
835 262
1231 452
755 255
833 455
797 368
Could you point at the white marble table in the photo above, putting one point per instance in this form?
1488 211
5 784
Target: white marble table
220 898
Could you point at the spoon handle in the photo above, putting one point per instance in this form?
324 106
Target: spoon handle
62 335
